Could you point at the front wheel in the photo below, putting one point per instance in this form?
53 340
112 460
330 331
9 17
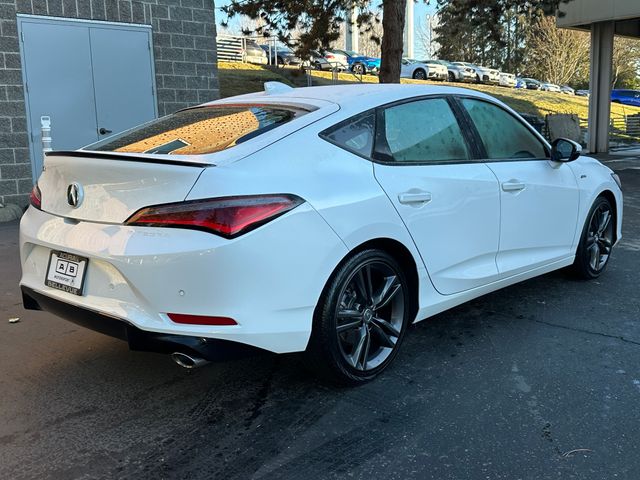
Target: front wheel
596 242
358 69
452 77
360 320
419 74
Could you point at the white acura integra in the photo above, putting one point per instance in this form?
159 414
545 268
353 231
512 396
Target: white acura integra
322 220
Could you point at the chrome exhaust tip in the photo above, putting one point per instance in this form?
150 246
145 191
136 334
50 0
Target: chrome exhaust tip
187 361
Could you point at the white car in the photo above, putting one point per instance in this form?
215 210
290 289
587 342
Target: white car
483 74
280 221
337 60
567 90
414 69
550 87
437 71
507 80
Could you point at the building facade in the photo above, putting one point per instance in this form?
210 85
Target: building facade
181 70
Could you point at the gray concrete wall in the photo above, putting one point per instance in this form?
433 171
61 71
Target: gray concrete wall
184 48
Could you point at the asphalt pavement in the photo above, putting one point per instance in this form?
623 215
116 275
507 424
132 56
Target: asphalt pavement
537 381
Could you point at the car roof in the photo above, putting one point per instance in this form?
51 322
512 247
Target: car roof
351 95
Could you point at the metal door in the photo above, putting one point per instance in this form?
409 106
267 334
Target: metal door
122 77
86 76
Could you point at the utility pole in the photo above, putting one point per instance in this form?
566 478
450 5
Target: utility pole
352 33
408 31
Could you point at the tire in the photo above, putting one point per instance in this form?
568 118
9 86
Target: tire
452 77
419 74
358 69
357 327
596 241
478 79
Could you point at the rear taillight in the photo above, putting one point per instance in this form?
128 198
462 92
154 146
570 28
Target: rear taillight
227 216
35 197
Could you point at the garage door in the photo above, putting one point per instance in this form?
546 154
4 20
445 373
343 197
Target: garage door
92 78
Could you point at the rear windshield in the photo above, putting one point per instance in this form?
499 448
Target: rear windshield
199 130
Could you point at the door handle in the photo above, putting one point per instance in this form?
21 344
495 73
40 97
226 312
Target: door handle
410 197
103 131
512 186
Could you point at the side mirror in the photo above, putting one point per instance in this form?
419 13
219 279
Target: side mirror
565 150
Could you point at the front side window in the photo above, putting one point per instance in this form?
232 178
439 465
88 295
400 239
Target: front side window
503 135
354 134
199 130
423 131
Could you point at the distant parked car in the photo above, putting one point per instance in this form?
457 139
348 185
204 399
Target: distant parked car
507 80
253 53
550 87
458 73
360 64
317 61
413 69
626 97
281 55
483 74
566 89
437 71
582 93
520 83
337 60
531 83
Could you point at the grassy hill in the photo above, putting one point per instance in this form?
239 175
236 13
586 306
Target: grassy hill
239 78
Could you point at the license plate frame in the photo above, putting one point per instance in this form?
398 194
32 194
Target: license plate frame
68 273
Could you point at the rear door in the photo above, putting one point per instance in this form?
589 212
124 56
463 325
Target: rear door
539 198
449 202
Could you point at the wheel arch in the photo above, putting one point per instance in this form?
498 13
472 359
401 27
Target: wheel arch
401 254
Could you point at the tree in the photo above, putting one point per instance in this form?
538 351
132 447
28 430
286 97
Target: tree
626 63
490 32
557 55
320 20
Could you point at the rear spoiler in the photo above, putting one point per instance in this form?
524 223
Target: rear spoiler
150 158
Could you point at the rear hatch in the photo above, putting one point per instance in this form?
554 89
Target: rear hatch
159 162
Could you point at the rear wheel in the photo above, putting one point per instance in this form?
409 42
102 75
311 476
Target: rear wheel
360 320
596 242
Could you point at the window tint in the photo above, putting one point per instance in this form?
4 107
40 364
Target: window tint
424 131
503 135
354 134
199 130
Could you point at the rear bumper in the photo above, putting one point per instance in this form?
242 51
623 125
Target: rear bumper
268 280
139 340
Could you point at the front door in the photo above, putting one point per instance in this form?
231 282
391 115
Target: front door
539 198
87 77
449 203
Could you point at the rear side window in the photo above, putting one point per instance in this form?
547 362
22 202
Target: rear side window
423 131
199 130
354 134
503 135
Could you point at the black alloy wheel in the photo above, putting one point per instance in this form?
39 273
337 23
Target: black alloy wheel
420 74
360 320
596 242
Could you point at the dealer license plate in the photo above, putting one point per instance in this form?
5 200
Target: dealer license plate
66 272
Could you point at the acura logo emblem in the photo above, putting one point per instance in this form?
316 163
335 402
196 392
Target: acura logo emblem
75 194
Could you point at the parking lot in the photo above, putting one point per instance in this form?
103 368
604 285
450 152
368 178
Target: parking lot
537 381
